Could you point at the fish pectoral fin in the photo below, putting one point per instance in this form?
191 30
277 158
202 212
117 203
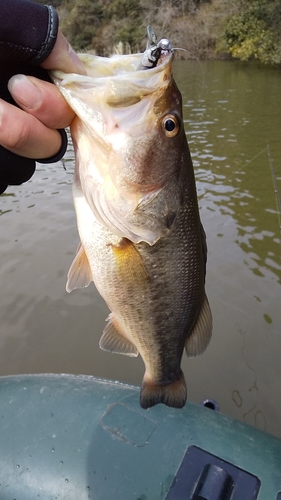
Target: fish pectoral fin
129 263
200 336
114 341
79 274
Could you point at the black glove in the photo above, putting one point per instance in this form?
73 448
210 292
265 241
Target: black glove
28 33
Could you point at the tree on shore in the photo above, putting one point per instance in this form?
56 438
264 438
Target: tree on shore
254 32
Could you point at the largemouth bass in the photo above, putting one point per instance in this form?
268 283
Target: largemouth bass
142 242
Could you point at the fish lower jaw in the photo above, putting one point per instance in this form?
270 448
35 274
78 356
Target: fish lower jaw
172 393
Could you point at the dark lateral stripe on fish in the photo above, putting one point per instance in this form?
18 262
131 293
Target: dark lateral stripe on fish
173 394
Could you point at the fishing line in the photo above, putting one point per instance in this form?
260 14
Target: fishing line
275 187
198 60
245 165
274 180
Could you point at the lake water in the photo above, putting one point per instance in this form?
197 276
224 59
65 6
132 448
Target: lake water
232 115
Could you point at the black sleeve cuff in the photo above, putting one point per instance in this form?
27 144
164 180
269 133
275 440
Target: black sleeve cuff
59 155
15 169
51 36
28 31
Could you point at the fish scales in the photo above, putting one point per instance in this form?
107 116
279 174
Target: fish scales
142 242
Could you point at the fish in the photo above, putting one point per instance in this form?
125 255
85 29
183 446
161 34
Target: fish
141 238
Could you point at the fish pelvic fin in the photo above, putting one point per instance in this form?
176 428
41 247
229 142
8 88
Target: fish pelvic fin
198 340
113 340
172 394
79 274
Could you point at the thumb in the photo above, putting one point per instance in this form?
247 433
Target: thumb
64 58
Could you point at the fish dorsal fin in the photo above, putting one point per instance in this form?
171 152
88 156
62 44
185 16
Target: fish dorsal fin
79 274
113 341
200 336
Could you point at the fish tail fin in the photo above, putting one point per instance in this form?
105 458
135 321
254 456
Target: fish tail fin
171 394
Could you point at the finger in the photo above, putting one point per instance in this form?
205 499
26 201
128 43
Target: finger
64 58
42 100
24 135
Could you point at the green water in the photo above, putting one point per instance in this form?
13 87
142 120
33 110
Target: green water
234 126
232 114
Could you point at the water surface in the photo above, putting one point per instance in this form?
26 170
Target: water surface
232 113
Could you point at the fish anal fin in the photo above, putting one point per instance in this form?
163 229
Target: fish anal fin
200 336
114 341
129 263
171 394
79 274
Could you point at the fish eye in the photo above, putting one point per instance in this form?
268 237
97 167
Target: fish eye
170 125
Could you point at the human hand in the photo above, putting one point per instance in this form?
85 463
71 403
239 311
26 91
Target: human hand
34 130
31 131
